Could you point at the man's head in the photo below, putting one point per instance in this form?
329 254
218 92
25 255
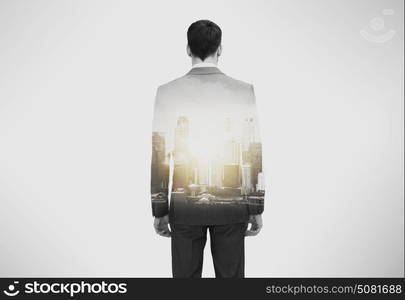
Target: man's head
204 40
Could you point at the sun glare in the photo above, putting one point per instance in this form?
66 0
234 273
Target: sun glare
205 146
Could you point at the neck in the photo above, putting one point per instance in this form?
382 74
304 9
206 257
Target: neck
210 59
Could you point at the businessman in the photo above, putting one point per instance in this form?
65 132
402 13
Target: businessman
207 154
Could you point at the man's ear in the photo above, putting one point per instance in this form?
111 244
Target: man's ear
219 51
188 50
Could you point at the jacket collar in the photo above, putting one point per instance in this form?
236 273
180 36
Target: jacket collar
204 71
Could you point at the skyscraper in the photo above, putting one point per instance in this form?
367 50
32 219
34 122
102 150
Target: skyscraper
181 147
232 176
248 133
260 182
246 179
215 172
231 152
255 150
159 167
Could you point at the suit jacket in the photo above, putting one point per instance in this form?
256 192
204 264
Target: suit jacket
206 150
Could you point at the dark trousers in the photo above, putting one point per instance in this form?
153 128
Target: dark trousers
227 248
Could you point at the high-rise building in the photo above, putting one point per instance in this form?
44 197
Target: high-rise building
247 179
158 148
255 150
231 176
159 168
231 152
246 159
181 140
215 172
260 182
248 133
181 176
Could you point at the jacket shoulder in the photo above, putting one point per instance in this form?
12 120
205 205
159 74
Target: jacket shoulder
237 84
218 80
173 84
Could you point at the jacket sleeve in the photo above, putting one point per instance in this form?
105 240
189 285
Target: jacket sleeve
159 184
256 202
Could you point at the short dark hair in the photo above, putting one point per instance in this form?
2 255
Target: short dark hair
204 38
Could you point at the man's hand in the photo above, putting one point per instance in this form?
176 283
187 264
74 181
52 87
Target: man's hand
257 224
162 226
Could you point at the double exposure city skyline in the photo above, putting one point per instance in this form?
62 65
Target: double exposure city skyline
216 164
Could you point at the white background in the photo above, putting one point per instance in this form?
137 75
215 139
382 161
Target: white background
77 83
